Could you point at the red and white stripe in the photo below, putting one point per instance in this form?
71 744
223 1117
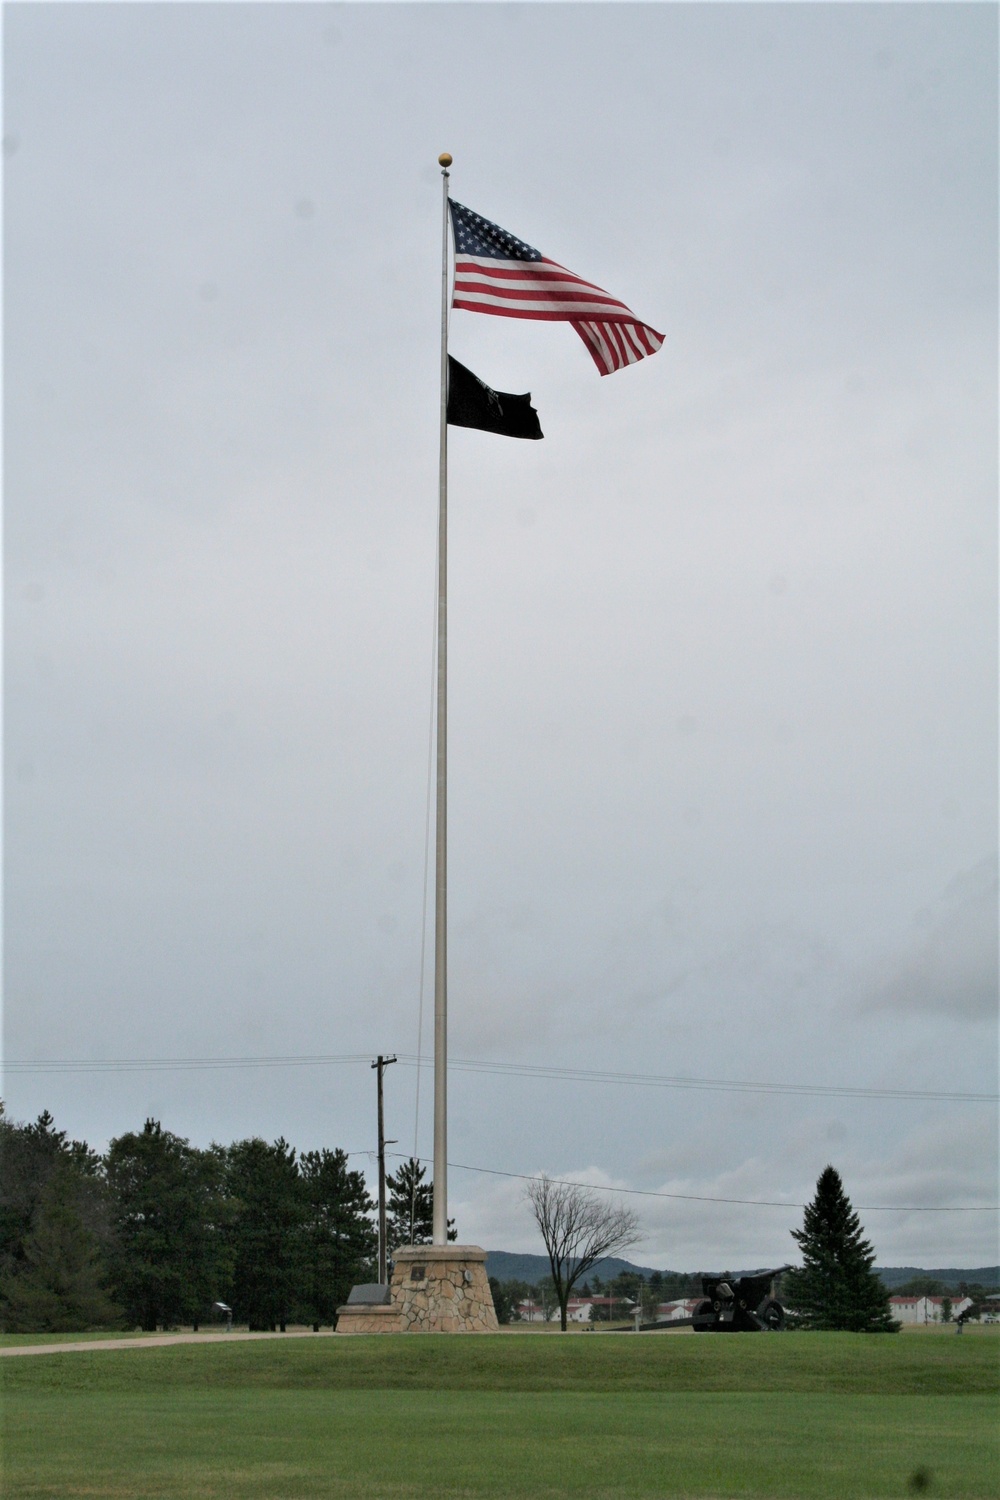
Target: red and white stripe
542 289
615 344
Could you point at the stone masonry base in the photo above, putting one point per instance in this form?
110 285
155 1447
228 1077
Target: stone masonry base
435 1289
362 1319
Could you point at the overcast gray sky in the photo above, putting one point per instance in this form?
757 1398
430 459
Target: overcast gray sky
723 647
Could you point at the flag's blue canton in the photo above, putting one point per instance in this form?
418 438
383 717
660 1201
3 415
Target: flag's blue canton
477 236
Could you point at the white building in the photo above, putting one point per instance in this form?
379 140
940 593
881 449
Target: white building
926 1309
669 1312
531 1312
578 1309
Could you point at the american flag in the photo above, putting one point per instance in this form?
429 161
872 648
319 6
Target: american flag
495 272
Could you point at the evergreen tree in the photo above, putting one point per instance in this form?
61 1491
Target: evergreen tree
836 1287
57 1285
507 1295
170 1259
410 1207
340 1241
652 1296
546 1296
29 1154
269 1279
504 1299
627 1287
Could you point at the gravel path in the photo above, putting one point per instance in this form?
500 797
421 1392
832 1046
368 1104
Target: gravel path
156 1340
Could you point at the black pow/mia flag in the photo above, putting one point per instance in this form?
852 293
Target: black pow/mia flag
472 403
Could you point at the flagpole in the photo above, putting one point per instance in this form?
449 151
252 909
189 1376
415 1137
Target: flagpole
440 1224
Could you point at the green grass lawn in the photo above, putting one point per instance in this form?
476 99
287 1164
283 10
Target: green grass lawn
798 1416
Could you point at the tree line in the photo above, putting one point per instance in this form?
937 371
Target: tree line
155 1231
621 1294
835 1288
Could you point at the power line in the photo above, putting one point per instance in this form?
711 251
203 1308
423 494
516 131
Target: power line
476 1065
868 1208
178 1064
716 1085
108 1065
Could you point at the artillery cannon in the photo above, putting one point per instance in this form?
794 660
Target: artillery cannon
732 1304
744 1304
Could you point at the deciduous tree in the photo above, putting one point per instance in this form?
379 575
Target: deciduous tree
921 1286
579 1227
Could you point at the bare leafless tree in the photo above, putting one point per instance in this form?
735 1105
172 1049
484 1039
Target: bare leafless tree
579 1227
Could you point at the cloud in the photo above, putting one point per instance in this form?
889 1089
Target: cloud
721 713
937 1166
952 968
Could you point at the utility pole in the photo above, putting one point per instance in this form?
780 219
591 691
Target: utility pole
381 1064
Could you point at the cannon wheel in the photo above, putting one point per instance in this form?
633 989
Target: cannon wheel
703 1310
772 1314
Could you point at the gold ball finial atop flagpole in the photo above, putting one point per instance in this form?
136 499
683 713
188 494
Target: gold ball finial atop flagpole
444 160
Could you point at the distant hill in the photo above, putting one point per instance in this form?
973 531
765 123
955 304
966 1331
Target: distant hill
531 1268
894 1276
506 1266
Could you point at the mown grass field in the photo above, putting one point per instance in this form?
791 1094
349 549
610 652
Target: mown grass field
797 1416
